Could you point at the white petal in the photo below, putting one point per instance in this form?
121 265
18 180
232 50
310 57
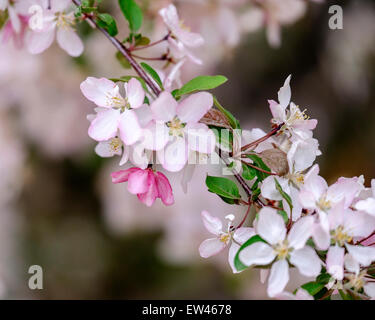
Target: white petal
364 255
269 190
300 232
210 247
258 253
211 223
241 235
174 156
285 93
104 126
69 41
134 93
369 289
351 264
200 138
271 226
130 130
335 262
307 261
321 237
233 249
367 205
105 150
279 278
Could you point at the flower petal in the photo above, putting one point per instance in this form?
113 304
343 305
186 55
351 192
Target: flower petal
164 107
194 107
258 253
134 93
300 232
241 235
278 278
105 125
149 197
37 42
130 130
122 175
212 224
200 138
307 261
285 93
69 41
335 262
139 181
364 255
174 157
271 226
164 189
99 90
211 247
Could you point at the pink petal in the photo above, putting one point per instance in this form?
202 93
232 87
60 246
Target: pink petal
104 126
139 181
164 107
164 189
149 197
194 107
69 41
211 247
130 130
122 175
134 93
98 90
277 111
37 42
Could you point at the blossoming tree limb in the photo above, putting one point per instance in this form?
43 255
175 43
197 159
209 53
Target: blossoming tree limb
326 232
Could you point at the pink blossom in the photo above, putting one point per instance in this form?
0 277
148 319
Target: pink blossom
146 184
10 32
177 131
115 113
55 21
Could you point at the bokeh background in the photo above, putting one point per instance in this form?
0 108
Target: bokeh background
58 208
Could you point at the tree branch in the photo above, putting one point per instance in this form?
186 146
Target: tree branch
125 52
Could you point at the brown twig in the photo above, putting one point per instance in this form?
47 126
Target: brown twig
268 135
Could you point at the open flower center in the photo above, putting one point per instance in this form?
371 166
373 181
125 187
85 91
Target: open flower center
282 249
356 281
324 204
176 127
296 178
225 237
116 102
64 21
340 237
183 26
115 145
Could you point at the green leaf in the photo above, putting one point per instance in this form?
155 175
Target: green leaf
234 123
107 22
223 187
345 296
237 262
284 215
201 83
258 162
123 61
153 74
132 13
248 173
313 287
284 195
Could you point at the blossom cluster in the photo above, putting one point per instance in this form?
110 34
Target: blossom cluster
293 218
